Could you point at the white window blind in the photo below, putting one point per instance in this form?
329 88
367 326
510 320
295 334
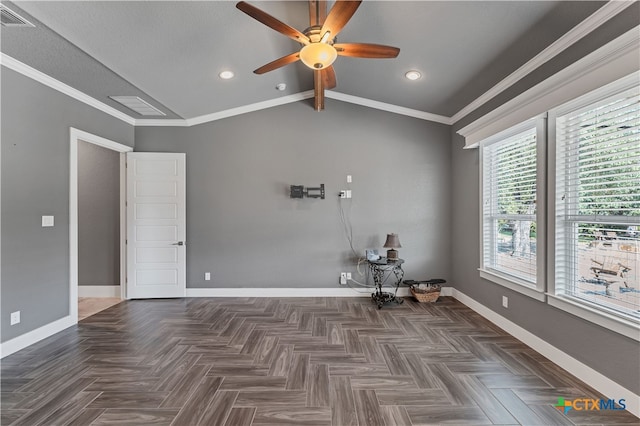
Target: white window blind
598 204
509 206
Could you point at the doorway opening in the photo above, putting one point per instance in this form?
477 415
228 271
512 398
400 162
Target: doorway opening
80 142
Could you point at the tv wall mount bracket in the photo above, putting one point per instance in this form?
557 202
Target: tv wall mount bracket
299 191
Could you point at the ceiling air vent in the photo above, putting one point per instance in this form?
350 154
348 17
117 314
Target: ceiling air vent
136 104
8 18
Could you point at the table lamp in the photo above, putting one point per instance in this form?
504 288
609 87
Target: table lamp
393 242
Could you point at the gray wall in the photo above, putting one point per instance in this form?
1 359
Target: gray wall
98 215
243 227
35 182
610 353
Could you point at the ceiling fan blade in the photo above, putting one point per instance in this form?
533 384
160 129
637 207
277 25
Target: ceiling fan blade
366 50
318 90
272 22
317 12
328 77
339 15
280 62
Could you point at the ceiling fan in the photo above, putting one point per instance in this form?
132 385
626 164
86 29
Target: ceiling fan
319 48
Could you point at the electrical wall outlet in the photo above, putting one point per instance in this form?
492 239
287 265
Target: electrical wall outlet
349 179
348 275
207 276
505 302
15 317
343 278
348 191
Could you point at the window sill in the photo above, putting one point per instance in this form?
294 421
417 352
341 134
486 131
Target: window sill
626 327
513 283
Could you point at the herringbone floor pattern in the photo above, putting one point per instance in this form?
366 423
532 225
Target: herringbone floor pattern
259 361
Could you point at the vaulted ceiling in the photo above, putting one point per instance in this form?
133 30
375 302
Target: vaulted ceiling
170 53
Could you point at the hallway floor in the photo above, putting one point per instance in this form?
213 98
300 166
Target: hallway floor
88 306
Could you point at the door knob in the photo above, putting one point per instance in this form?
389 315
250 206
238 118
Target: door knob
179 243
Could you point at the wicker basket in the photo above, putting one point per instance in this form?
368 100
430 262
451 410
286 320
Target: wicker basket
430 294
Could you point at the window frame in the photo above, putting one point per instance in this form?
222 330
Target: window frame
534 290
557 297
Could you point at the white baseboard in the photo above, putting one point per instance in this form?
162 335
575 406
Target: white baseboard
286 292
34 336
446 291
98 291
598 381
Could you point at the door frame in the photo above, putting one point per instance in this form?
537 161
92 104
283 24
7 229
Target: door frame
76 135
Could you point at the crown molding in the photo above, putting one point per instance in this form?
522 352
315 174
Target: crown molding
40 77
231 112
599 17
251 108
388 107
228 112
158 122
296 97
613 61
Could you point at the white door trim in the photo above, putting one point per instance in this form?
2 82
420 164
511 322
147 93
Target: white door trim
75 136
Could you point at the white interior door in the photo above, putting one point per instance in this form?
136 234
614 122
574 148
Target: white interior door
156 225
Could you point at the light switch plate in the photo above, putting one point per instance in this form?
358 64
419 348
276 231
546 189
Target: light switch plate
47 221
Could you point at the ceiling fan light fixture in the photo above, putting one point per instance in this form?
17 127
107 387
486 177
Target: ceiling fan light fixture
413 75
318 56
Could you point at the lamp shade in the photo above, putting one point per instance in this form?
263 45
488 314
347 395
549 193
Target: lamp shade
318 55
392 241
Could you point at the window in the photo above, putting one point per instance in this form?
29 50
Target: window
583 251
597 203
510 243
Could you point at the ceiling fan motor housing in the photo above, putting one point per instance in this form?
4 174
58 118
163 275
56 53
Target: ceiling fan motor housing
314 35
318 54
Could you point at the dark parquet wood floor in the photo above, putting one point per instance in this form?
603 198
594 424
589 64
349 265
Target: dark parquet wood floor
262 361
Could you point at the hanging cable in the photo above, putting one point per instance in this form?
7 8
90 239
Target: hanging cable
347 226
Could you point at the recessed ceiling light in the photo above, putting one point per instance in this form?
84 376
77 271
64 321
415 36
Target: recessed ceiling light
226 75
413 75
